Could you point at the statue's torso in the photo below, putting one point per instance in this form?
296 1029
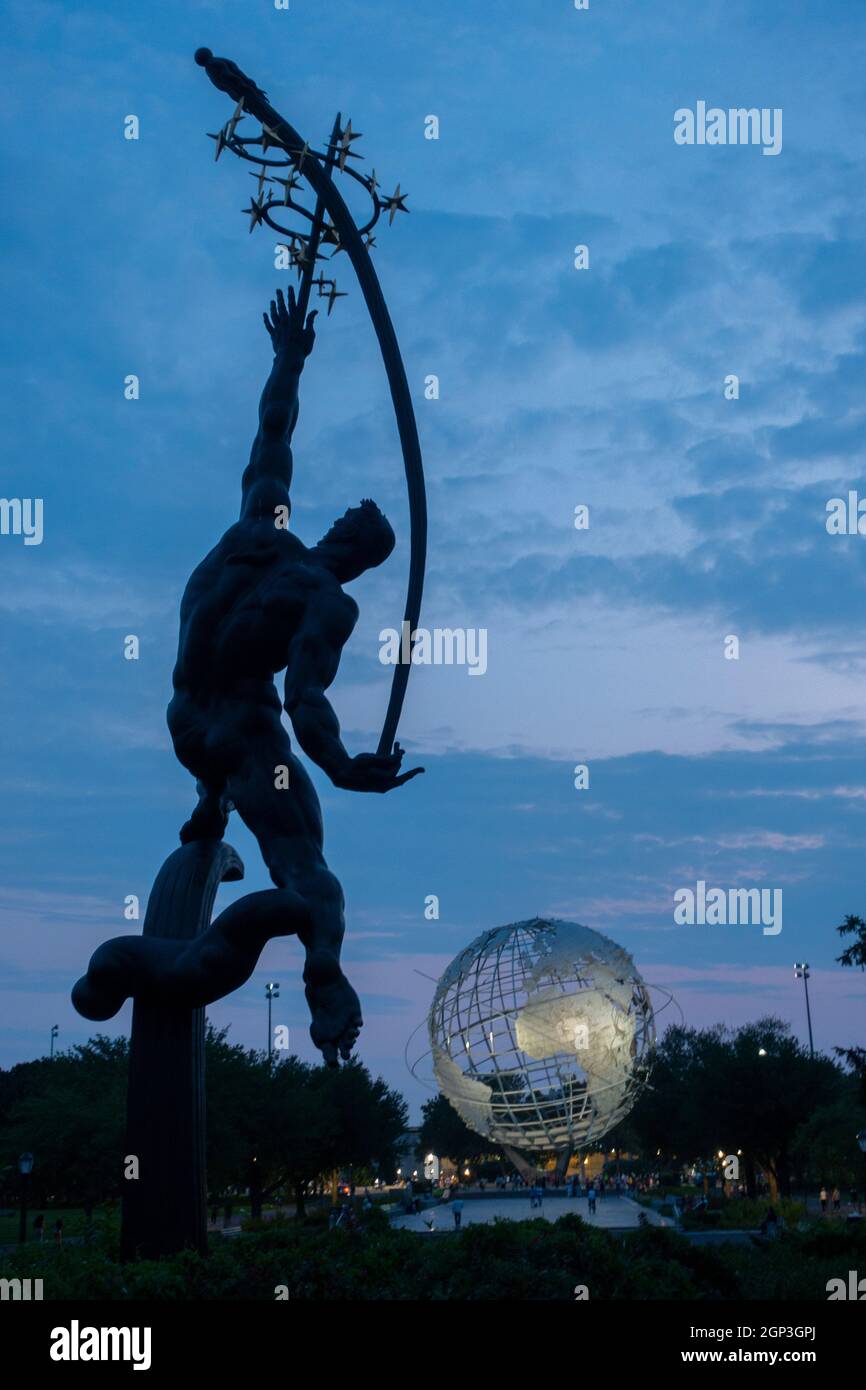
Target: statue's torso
258 603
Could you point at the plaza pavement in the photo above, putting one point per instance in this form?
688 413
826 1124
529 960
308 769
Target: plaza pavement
611 1213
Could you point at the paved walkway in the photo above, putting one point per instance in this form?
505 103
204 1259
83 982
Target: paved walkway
612 1213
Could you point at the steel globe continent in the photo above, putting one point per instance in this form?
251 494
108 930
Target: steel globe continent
541 1035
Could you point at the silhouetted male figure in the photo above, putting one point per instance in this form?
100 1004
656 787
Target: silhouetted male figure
259 603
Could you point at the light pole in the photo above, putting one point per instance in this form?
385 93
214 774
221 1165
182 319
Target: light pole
801 972
272 991
25 1168
54 1031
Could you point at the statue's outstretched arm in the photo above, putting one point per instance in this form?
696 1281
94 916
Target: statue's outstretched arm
317 730
268 475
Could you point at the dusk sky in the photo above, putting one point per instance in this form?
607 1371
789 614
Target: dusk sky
558 387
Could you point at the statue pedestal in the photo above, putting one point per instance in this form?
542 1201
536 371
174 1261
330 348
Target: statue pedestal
165 1208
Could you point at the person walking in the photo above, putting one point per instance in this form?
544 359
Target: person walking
822 1198
457 1211
837 1199
39 1227
590 1193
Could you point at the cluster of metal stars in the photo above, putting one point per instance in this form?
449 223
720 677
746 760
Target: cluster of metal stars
276 182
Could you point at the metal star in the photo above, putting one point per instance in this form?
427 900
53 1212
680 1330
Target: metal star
237 115
255 212
346 137
330 235
269 137
370 242
221 141
372 182
288 184
262 177
298 252
396 203
299 156
333 293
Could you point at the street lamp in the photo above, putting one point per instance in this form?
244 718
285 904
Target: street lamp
25 1168
54 1031
272 991
801 972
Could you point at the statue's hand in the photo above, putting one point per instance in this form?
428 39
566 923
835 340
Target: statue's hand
375 772
287 329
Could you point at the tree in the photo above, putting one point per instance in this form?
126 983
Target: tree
764 1099
444 1133
855 954
70 1113
749 1089
370 1116
266 1124
854 1057
275 1126
826 1145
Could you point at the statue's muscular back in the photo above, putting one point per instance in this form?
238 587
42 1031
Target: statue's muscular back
260 602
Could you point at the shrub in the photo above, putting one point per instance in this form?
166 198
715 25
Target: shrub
527 1260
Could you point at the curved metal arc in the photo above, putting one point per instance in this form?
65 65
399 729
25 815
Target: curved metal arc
323 185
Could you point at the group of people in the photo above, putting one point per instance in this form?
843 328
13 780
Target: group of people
835 1196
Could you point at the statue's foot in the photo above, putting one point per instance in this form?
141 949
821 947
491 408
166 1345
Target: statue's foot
207 822
337 1019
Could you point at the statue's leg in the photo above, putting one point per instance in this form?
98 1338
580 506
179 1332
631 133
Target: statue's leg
192 726
287 823
210 817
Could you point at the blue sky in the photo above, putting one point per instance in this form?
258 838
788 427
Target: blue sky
558 387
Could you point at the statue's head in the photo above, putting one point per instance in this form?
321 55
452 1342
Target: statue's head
359 540
202 56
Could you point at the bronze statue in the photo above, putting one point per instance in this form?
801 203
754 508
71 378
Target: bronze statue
259 603
262 602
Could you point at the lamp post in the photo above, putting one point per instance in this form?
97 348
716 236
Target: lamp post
25 1168
55 1029
801 972
272 991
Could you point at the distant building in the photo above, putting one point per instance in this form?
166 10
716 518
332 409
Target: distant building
409 1164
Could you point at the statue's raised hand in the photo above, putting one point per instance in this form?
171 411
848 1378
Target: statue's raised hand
286 327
